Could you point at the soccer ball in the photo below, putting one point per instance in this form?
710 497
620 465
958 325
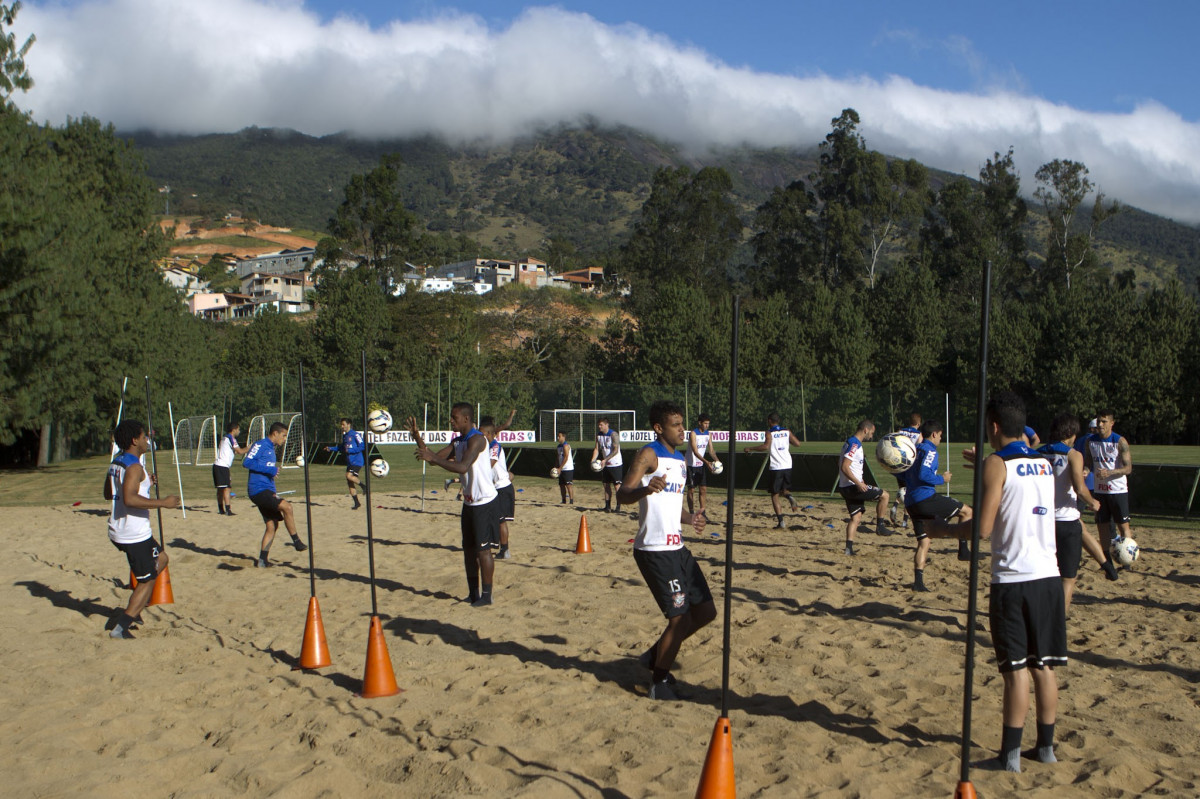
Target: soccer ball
379 421
299 460
554 472
896 452
1124 551
597 465
380 468
718 467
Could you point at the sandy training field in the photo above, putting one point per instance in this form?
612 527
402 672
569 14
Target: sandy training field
843 682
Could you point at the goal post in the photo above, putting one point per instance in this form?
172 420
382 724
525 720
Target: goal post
580 424
195 441
293 445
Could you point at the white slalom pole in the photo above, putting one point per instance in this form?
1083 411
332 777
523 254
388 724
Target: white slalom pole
175 451
425 425
946 439
120 409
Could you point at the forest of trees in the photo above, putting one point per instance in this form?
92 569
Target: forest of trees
861 274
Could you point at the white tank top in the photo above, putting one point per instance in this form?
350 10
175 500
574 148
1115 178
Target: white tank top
127 525
1023 543
225 451
780 439
659 527
500 469
607 445
1104 456
479 487
852 451
701 439
1066 508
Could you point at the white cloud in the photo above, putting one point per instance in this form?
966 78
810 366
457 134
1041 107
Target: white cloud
226 64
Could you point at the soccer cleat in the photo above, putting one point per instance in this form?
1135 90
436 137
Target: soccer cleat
1110 570
849 550
228 512
892 514
881 530
779 525
503 554
483 601
446 484
299 545
120 632
795 507
964 550
664 690
262 563
920 586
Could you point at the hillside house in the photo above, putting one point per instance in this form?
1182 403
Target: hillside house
285 293
284 262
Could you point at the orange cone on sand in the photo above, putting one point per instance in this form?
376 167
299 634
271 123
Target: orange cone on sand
132 580
314 653
380 680
584 544
965 790
716 780
162 593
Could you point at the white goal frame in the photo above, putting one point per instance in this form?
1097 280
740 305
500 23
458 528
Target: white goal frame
580 423
194 441
293 445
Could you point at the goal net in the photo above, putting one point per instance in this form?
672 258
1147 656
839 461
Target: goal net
580 425
195 440
293 446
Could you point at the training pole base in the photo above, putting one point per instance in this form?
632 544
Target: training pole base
965 790
716 779
379 680
314 651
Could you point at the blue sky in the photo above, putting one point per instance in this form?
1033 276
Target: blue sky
950 83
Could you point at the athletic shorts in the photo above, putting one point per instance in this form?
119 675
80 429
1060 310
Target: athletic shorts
353 470
1068 535
612 474
697 476
674 578
220 476
856 500
267 503
780 480
939 507
142 557
507 497
1113 508
480 526
566 477
1029 624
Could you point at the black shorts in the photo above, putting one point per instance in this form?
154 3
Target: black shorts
566 477
1029 624
780 480
939 507
674 578
507 497
267 503
1068 535
697 476
612 474
220 476
1113 508
142 557
856 500
480 526
353 470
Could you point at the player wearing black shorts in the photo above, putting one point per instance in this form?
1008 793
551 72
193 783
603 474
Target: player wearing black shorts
923 503
260 485
854 489
565 463
779 470
608 452
221 465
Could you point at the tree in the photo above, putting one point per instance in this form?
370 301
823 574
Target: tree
373 224
784 242
1064 185
13 74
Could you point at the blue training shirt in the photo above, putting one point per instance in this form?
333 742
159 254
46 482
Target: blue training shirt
260 460
923 478
352 447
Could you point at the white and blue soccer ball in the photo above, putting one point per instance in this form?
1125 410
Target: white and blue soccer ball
380 468
896 453
597 465
1124 550
379 421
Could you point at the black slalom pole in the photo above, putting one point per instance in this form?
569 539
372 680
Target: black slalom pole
314 650
163 595
716 779
965 789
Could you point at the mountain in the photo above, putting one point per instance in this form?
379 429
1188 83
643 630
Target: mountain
578 185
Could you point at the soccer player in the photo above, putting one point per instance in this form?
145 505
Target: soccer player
566 468
913 431
852 487
225 452
260 487
699 461
128 487
1069 487
352 447
1108 457
481 511
1026 612
505 493
608 452
656 482
924 503
779 472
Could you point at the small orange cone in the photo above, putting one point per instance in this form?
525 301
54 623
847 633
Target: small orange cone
965 790
162 594
132 580
380 680
716 780
314 653
583 545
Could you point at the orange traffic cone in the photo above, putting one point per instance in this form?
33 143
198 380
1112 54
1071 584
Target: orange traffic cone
583 545
314 652
162 594
716 780
380 680
132 580
965 790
